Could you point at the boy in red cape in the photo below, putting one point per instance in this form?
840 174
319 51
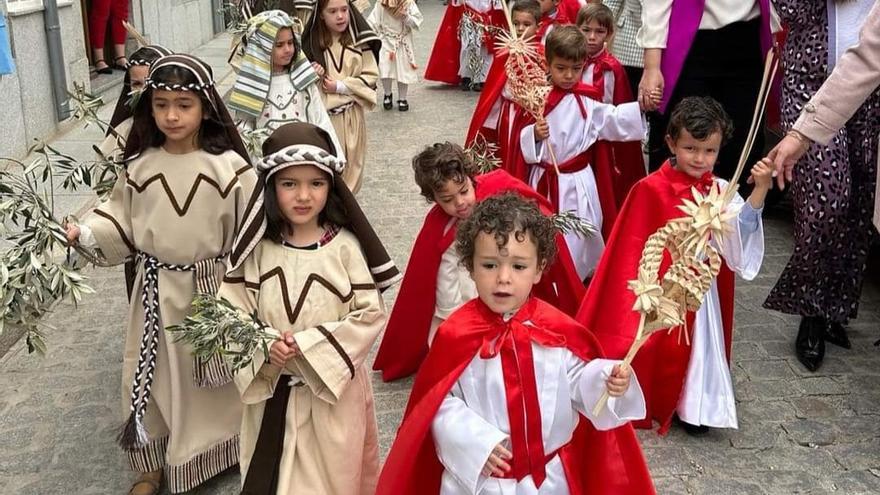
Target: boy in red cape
503 403
434 284
572 131
496 117
465 43
693 381
608 76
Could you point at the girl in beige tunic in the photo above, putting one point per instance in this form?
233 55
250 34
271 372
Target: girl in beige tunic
345 50
176 209
308 265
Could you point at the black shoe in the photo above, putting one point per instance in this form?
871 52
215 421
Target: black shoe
835 333
810 344
387 102
695 430
465 84
403 105
103 70
477 87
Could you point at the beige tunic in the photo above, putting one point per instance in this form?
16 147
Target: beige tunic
328 299
355 68
180 209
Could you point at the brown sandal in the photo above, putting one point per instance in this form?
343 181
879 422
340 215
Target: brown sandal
147 484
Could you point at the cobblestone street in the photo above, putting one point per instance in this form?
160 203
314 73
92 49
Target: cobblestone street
799 432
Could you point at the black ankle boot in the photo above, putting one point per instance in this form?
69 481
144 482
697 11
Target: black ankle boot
387 102
465 84
810 343
835 333
695 430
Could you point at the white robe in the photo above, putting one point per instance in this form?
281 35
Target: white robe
707 397
397 56
464 69
570 135
472 419
454 287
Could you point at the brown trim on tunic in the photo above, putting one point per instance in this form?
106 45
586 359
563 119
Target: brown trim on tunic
128 243
335 343
182 210
293 313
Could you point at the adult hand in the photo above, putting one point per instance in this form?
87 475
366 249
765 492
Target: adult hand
651 90
785 155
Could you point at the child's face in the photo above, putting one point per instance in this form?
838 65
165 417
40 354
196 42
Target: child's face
525 24
335 15
456 199
137 74
565 73
504 277
302 192
284 50
547 5
692 156
178 115
596 35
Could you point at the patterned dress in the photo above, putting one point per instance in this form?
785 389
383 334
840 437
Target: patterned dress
833 189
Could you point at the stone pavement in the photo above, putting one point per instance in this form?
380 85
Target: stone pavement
799 432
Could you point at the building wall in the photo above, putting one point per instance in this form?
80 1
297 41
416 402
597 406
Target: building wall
26 97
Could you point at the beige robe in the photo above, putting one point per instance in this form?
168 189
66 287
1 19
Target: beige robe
356 68
327 298
180 209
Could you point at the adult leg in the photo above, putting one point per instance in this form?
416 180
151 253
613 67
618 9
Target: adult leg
118 33
98 15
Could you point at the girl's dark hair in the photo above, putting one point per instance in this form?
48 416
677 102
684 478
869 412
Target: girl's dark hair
334 211
212 136
701 116
566 42
296 47
502 216
531 7
325 37
439 163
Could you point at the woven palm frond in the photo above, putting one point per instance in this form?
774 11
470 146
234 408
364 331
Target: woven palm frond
484 154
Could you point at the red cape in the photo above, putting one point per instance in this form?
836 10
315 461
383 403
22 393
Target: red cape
405 341
629 162
662 363
595 462
445 57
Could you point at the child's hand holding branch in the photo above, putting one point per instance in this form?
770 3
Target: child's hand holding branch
72 232
283 350
618 382
497 464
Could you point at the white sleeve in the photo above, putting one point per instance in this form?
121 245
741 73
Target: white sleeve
87 238
655 23
414 17
743 250
587 383
464 441
531 150
448 294
623 122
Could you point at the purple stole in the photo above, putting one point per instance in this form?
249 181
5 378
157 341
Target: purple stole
684 21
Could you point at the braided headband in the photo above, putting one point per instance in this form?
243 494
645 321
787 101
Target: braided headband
301 154
158 50
178 87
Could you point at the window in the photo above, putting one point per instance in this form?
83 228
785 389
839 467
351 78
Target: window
21 7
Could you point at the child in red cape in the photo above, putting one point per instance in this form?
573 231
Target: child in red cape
607 75
570 161
693 381
497 118
555 13
434 284
465 43
503 403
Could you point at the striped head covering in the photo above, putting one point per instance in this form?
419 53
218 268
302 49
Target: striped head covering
203 83
300 143
255 74
143 57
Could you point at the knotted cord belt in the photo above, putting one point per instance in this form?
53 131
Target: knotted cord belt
134 435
